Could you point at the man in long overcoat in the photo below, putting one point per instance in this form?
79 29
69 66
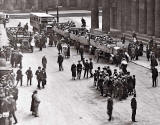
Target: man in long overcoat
35 103
109 108
39 76
73 70
60 61
79 69
134 107
44 61
86 68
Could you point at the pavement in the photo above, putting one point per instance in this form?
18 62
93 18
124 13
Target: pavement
142 61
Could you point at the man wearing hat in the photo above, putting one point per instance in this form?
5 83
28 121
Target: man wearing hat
154 76
79 69
29 76
39 76
134 107
44 77
86 68
60 61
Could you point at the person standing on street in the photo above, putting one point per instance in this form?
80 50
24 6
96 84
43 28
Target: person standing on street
86 68
60 61
59 47
39 77
44 77
29 76
19 76
100 84
109 108
4 23
35 103
79 69
154 76
81 51
73 70
44 62
134 107
90 67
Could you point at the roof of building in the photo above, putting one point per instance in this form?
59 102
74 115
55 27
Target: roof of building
42 15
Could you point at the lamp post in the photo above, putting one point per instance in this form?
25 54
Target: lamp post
57 8
57 14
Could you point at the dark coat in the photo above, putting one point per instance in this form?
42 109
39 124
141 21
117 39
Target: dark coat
133 103
154 62
100 82
29 73
154 73
79 67
19 74
109 105
91 65
44 77
81 51
68 50
39 74
73 70
44 60
87 66
60 59
32 101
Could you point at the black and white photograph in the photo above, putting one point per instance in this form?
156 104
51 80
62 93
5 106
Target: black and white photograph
79 62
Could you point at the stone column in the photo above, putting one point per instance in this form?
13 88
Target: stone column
36 5
142 16
119 14
79 4
133 15
106 16
123 20
137 15
9 4
150 17
157 18
94 14
24 4
113 15
44 4
68 3
128 15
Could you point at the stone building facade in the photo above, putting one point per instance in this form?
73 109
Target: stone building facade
142 16
43 4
